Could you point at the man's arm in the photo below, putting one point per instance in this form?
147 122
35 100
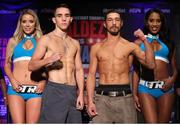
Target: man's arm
146 58
90 84
37 61
79 78
135 82
130 61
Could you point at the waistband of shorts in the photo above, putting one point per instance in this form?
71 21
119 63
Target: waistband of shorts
114 93
55 84
113 87
152 84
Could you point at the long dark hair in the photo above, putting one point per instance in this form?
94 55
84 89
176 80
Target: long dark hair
164 32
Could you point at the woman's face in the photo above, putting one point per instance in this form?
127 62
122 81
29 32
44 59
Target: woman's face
28 24
154 23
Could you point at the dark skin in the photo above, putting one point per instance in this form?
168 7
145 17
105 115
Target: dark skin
156 110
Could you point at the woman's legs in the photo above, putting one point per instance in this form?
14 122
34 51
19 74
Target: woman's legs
33 107
165 105
17 108
148 107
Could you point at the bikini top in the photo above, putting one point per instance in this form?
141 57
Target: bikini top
162 53
21 53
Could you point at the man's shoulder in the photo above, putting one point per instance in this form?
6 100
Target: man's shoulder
99 43
128 44
73 39
124 40
136 42
96 46
127 41
43 40
45 37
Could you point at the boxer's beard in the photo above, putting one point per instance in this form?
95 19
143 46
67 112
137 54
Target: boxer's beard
114 33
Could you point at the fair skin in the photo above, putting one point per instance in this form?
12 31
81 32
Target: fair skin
111 56
57 45
150 106
20 108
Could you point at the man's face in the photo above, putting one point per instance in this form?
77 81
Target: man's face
113 23
62 18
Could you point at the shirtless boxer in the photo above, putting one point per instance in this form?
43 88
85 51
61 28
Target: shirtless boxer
113 101
61 102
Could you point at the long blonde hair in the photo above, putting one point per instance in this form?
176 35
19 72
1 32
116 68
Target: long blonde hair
19 33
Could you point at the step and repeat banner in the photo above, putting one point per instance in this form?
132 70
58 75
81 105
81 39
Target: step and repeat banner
87 26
